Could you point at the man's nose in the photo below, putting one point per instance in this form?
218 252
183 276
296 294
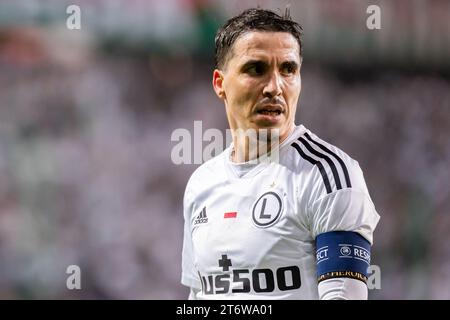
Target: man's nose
273 86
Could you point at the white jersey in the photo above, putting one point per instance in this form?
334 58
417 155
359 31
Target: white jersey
250 229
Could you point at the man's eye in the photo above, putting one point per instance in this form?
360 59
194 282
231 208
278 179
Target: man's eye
288 69
256 69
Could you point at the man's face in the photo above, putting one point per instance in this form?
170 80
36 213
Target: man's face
260 84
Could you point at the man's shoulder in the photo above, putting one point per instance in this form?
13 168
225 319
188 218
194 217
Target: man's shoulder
208 171
326 147
307 152
314 147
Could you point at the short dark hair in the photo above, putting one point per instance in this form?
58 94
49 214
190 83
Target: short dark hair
254 19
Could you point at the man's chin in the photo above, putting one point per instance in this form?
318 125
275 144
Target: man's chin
278 131
266 121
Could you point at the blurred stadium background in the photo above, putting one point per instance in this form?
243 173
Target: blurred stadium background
86 118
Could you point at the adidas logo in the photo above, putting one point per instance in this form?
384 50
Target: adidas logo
201 218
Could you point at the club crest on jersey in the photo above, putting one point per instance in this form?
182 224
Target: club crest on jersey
201 218
267 209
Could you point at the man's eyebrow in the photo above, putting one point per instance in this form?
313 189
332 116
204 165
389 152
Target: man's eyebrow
250 62
253 62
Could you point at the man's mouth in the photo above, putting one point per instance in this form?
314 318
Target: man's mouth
274 110
269 113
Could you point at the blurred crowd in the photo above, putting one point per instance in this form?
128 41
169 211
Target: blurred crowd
86 176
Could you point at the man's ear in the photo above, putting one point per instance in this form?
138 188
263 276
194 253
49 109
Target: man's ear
217 83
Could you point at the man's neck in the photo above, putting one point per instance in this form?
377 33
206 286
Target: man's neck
247 147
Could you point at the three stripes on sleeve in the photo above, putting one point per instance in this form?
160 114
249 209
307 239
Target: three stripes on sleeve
330 158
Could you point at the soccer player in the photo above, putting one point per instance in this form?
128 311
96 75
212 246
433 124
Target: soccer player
299 227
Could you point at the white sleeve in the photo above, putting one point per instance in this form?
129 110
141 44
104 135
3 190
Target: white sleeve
349 209
342 289
189 275
344 210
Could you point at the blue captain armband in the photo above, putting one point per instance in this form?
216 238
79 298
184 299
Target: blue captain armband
342 254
